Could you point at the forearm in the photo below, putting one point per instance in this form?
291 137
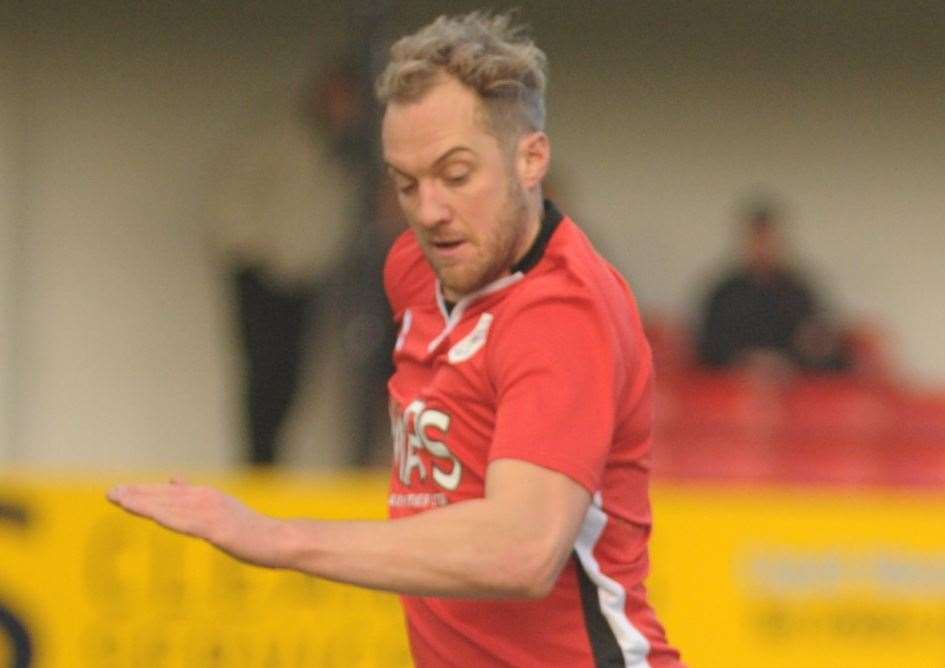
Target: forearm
467 549
510 543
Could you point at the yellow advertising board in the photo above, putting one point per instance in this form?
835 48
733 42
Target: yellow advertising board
97 588
801 577
742 578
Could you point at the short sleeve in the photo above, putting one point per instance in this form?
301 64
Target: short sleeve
406 273
553 365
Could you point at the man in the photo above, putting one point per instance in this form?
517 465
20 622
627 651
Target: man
282 211
521 399
763 315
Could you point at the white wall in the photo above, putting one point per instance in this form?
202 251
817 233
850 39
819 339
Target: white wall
127 344
660 118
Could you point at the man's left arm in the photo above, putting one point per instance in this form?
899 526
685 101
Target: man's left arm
512 543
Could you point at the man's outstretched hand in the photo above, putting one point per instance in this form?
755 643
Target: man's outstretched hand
207 513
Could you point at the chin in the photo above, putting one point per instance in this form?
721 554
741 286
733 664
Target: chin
460 285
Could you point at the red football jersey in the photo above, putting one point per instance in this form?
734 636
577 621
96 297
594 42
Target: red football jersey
547 365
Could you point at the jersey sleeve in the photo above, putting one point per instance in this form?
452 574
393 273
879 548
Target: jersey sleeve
554 368
405 273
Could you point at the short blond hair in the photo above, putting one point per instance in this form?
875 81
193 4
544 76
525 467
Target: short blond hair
487 53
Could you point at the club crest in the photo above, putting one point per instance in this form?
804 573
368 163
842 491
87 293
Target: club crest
470 344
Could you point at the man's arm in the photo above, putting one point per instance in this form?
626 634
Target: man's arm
511 543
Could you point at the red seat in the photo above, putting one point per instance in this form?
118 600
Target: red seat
713 426
834 430
829 461
914 464
916 453
726 403
695 455
921 417
840 409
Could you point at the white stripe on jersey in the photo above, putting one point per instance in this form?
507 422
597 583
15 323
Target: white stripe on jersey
612 597
452 318
404 330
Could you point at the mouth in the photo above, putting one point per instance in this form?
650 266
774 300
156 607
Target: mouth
447 245
447 248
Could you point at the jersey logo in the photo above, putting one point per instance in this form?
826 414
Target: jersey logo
421 429
470 344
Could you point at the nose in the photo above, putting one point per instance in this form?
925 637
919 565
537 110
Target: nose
432 208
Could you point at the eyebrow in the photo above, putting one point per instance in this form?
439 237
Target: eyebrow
443 158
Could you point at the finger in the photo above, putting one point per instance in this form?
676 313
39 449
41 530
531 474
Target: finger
173 511
115 493
120 493
141 498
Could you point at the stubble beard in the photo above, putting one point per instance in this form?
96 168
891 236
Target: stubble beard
496 252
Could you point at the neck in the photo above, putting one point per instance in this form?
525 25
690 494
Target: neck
534 211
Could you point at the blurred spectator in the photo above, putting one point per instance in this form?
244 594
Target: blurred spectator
369 333
764 315
283 212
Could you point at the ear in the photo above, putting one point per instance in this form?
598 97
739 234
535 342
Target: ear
533 159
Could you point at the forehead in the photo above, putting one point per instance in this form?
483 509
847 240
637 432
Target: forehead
416 134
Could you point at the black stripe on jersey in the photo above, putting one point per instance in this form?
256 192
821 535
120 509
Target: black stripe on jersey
549 223
604 645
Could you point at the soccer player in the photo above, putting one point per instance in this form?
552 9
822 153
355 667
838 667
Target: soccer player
520 403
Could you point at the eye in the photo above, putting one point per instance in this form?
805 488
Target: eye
457 176
404 185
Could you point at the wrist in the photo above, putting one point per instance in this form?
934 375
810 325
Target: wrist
296 543
282 536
